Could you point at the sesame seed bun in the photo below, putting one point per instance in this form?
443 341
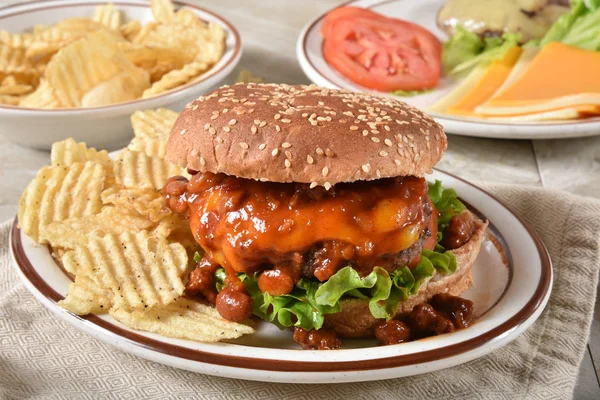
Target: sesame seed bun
283 133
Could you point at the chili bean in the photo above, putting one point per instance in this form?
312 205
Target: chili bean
424 320
322 339
458 309
275 282
392 332
234 305
459 231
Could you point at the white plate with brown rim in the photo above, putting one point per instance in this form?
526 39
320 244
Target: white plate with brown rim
424 13
513 280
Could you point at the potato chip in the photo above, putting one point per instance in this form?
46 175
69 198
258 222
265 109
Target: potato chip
43 97
68 152
107 15
75 232
211 46
154 124
130 29
10 86
14 63
246 76
186 16
125 86
137 170
147 202
158 60
76 27
163 10
86 296
142 270
58 193
149 146
16 39
176 78
184 319
83 65
10 100
144 33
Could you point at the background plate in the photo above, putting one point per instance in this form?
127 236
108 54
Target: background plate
424 13
512 275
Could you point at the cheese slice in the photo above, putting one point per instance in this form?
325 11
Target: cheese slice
463 87
568 113
495 75
559 77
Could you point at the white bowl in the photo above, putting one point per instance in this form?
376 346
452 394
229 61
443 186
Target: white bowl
108 126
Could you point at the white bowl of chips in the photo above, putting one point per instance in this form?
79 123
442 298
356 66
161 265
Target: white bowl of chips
74 68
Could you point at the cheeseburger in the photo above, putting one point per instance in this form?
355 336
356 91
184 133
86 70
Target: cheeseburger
311 211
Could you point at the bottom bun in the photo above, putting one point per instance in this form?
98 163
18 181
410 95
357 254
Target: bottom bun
355 320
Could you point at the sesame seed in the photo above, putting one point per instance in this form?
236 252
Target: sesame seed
227 129
195 107
342 121
183 132
257 121
320 151
286 120
328 152
250 111
253 129
286 145
277 116
275 152
287 163
378 172
309 159
263 123
244 145
304 115
214 116
388 142
219 140
327 185
232 122
386 127
212 130
353 127
206 126
277 128
321 119
225 110
222 100
375 139
202 161
288 154
325 171
383 153
397 162
366 167
313 185
262 146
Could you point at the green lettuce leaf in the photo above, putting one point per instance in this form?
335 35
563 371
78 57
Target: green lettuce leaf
446 202
462 46
491 49
579 27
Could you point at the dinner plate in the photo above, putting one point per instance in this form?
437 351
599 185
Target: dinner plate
513 279
424 13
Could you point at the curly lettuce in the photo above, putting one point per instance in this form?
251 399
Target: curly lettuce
309 302
466 50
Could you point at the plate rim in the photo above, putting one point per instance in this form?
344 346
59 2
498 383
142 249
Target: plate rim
522 319
447 120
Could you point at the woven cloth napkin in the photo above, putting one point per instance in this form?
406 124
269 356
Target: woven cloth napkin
42 357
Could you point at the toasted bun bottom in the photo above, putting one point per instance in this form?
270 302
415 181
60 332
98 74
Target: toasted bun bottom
355 320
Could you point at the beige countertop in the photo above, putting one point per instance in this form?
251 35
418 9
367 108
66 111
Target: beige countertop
269 30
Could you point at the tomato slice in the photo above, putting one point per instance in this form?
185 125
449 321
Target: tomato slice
344 12
381 53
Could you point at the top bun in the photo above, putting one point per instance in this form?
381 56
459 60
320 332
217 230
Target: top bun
307 134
